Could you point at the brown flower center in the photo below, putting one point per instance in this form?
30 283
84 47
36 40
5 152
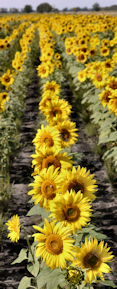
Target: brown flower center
49 161
7 78
64 134
91 261
76 186
47 139
71 212
56 111
47 188
54 244
113 85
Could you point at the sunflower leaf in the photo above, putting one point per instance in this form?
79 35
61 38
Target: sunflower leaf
108 283
22 256
33 269
24 283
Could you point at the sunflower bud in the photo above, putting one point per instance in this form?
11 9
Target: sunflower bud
74 275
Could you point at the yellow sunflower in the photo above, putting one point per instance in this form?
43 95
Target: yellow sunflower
93 257
54 245
68 133
7 79
57 108
105 96
48 157
4 96
14 228
47 96
46 185
81 57
80 180
48 136
112 105
81 75
72 210
52 87
43 70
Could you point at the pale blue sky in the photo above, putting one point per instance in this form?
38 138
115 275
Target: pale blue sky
60 4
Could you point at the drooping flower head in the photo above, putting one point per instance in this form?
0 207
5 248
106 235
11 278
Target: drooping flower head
14 228
54 245
93 257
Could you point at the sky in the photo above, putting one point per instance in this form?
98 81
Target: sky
60 4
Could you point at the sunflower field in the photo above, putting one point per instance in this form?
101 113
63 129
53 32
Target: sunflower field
76 57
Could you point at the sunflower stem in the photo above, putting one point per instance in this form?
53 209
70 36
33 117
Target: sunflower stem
29 246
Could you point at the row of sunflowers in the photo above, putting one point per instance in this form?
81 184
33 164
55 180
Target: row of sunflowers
67 250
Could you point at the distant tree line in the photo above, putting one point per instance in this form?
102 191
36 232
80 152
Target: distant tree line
47 8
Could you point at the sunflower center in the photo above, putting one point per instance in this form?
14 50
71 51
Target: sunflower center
71 212
76 186
99 77
47 139
49 161
91 261
54 244
113 85
56 111
4 96
51 87
7 78
65 134
108 65
106 96
47 188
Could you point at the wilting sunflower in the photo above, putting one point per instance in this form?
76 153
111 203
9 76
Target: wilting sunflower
72 210
14 228
47 157
57 108
93 257
52 87
46 185
48 136
7 79
54 245
80 180
68 133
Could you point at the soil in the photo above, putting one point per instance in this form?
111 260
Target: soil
105 205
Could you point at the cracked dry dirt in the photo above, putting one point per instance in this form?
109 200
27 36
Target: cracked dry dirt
104 205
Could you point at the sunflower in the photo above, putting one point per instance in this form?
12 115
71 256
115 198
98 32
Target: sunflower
48 157
72 210
4 96
112 105
54 245
105 96
92 52
81 75
14 228
52 87
81 57
46 185
105 51
80 180
68 133
47 96
108 65
48 136
57 108
93 257
57 56
43 70
7 79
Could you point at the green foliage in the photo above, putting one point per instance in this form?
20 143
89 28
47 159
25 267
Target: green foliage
44 7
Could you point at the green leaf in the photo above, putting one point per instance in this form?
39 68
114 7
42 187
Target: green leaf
99 236
37 210
108 283
24 283
33 269
52 278
22 256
